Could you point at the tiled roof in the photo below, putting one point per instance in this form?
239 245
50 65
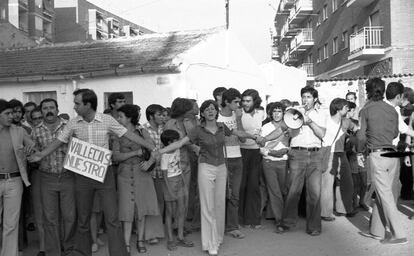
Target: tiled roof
150 53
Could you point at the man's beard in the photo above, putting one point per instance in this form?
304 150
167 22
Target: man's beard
250 110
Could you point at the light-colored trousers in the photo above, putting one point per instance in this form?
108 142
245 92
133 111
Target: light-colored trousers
327 193
11 191
212 189
385 175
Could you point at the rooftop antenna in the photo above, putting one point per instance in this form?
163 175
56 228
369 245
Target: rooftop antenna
227 14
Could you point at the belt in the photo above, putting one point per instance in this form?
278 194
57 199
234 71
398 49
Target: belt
306 149
381 150
6 176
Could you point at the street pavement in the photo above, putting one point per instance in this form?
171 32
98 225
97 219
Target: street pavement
338 238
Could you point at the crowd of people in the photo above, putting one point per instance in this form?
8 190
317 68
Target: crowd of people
215 168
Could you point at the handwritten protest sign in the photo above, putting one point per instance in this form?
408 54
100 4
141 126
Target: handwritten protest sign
87 159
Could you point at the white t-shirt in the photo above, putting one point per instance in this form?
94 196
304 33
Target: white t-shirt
232 142
270 145
331 131
402 126
171 163
304 136
253 125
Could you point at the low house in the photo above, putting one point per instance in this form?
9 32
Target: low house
154 68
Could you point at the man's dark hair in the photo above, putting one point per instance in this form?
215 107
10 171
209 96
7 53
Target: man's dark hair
375 88
351 93
230 95
113 97
276 105
152 110
48 100
169 136
351 105
36 109
336 105
409 94
4 104
30 103
130 111
88 96
180 106
218 91
287 103
255 96
394 89
311 90
16 103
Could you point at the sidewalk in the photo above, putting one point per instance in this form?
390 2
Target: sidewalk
338 238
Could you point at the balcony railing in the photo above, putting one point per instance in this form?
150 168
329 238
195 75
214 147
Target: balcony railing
366 43
289 58
301 10
303 40
308 68
366 38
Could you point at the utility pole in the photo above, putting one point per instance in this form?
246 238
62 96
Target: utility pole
227 14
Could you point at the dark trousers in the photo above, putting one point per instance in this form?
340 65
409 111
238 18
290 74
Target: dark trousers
85 189
275 173
234 177
250 199
305 167
58 197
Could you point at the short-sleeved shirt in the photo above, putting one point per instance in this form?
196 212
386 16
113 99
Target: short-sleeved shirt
156 137
96 132
304 136
232 142
402 126
211 145
252 124
42 136
171 163
278 144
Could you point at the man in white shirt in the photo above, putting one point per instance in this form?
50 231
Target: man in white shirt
305 166
230 115
250 199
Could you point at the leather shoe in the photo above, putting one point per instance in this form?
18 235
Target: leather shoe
351 214
41 253
314 233
394 241
328 218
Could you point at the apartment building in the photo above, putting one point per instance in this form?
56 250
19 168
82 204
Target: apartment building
339 39
34 18
80 20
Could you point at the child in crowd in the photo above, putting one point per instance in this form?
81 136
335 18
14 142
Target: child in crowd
175 191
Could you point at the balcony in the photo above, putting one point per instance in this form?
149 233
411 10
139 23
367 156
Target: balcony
366 43
302 9
285 5
302 41
288 58
287 32
308 68
359 3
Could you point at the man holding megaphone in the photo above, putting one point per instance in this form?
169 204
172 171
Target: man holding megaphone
305 163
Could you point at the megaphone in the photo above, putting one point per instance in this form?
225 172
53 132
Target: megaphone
293 118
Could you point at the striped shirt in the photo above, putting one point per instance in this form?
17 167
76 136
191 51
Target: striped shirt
96 132
42 136
156 137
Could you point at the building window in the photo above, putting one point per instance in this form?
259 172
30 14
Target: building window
309 58
345 40
38 23
320 55
2 13
335 45
129 99
354 29
319 20
325 12
334 5
37 97
325 51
